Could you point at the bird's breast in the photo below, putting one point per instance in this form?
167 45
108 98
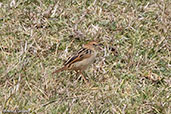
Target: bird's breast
86 62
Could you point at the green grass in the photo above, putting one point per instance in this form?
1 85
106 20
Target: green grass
33 43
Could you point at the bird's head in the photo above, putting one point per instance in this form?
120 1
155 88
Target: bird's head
93 45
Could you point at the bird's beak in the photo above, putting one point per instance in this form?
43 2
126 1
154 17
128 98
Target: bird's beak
100 46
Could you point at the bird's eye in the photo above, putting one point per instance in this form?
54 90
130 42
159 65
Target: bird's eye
94 44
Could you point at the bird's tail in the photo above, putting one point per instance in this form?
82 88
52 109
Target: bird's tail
59 70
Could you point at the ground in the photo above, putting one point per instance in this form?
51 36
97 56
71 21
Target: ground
37 36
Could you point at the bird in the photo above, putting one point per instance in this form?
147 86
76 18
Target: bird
82 59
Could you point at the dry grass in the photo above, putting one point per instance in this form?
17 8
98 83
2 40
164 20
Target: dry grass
36 36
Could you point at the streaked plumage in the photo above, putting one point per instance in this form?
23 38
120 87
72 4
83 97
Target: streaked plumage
82 59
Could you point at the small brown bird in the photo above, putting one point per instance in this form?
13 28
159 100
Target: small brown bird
82 59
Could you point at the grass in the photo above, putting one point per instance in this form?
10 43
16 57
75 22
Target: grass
36 37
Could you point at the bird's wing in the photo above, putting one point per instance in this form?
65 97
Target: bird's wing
83 53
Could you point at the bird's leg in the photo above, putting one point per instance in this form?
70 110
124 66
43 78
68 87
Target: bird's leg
83 77
77 74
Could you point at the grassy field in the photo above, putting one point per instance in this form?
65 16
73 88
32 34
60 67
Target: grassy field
37 36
